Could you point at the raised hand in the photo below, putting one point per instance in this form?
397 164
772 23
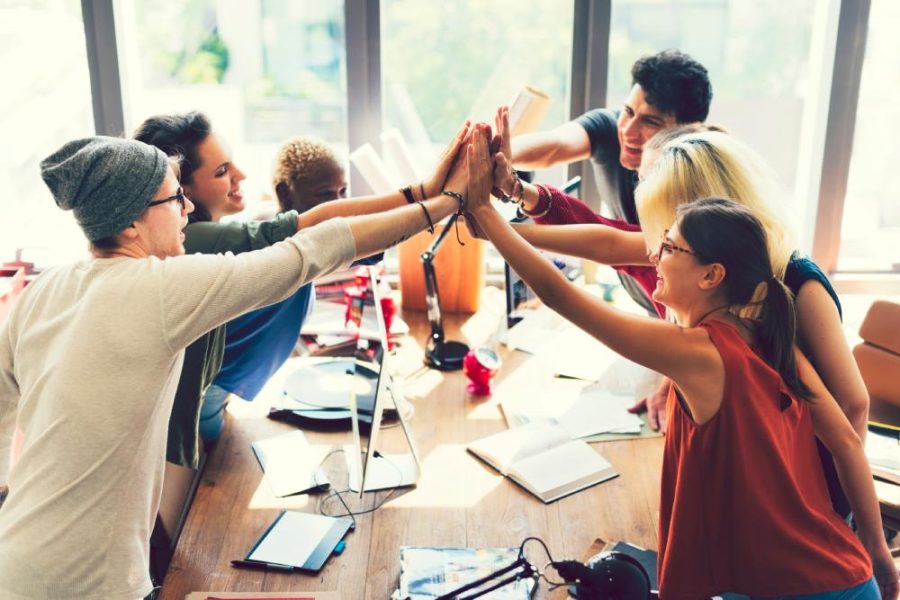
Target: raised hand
450 157
503 172
480 167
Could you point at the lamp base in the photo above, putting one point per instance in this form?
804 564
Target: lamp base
446 355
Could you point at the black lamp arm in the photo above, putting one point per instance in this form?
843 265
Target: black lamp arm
432 298
519 569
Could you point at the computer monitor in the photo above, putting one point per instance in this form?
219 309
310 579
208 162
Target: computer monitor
519 297
370 469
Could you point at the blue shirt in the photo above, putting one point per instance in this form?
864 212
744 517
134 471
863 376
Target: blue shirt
259 342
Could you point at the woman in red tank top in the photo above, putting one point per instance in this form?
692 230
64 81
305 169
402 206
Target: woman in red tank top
744 506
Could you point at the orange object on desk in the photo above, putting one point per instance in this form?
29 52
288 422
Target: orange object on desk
460 270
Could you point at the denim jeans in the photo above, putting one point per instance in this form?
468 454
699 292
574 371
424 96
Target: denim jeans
212 413
864 591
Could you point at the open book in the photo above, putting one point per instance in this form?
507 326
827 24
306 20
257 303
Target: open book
543 459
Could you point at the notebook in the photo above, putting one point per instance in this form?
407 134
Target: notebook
300 540
291 465
543 459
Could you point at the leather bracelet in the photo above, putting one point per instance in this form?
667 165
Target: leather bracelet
408 194
422 189
427 218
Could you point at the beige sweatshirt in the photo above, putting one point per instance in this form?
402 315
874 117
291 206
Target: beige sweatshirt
89 362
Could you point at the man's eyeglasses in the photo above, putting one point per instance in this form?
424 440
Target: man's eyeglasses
179 197
666 246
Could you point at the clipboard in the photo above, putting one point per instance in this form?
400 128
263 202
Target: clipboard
300 540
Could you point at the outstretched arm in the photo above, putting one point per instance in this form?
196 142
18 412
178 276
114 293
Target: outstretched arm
599 243
833 428
366 205
565 144
661 346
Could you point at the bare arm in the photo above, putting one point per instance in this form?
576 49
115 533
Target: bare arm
821 336
367 205
565 144
599 243
376 232
677 352
833 428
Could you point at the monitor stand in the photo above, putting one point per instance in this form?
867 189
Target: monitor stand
385 471
382 471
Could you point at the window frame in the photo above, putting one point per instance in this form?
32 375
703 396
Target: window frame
590 54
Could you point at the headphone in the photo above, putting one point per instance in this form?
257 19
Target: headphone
606 576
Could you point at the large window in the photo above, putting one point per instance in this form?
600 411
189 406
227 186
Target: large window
46 101
758 57
871 223
262 71
443 62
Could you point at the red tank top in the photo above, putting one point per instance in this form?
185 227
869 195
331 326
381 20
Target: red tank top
744 507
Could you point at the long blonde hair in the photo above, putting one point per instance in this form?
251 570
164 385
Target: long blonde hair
711 164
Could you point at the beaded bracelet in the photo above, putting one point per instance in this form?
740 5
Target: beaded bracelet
459 198
542 191
506 198
521 195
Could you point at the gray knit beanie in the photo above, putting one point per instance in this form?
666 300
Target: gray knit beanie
108 182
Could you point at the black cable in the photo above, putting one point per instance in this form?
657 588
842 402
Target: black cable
339 494
551 562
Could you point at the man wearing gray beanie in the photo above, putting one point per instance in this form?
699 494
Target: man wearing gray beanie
107 182
91 354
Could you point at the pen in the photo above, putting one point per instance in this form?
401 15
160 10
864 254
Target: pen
255 564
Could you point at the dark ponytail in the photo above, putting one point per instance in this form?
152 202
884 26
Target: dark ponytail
722 231
776 334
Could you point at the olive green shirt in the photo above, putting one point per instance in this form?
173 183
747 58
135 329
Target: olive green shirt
203 358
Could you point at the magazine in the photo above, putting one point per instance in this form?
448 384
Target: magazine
427 572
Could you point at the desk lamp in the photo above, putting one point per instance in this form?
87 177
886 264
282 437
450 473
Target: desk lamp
606 576
441 354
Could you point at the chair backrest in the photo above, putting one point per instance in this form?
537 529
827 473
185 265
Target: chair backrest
878 357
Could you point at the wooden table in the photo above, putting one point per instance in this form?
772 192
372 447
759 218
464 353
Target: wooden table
458 501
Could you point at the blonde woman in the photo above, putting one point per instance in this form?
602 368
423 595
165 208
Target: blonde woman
679 169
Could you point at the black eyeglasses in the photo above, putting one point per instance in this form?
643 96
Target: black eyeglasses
179 197
667 246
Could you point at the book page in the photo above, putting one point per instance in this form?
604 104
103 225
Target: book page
502 449
561 470
291 465
600 411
